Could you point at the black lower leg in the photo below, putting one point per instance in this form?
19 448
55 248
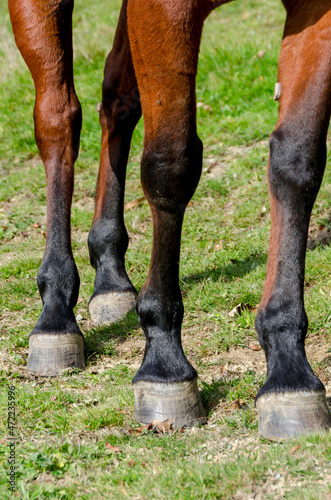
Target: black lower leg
58 279
165 386
169 181
43 34
160 308
292 400
56 343
108 237
295 173
114 293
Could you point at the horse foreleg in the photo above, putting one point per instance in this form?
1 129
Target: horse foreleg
292 400
114 295
44 36
164 38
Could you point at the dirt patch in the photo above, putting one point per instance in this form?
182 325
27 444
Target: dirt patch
130 351
216 165
238 360
85 203
320 236
277 485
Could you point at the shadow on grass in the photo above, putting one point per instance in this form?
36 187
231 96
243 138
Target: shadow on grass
237 269
101 340
241 386
213 393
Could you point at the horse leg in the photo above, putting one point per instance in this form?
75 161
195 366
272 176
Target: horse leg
164 39
292 400
114 295
43 34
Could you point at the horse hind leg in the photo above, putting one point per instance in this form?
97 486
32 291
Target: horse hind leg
164 39
292 400
114 295
43 34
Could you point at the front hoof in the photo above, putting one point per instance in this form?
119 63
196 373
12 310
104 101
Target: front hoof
107 308
178 402
287 414
50 354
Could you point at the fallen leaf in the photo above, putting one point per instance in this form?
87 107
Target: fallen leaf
35 225
236 405
295 448
204 106
236 311
261 53
115 449
218 246
254 347
134 203
162 427
139 430
91 402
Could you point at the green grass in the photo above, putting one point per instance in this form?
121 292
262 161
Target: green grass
64 425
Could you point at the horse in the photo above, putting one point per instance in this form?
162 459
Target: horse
153 63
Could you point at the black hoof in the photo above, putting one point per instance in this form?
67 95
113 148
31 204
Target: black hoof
178 402
107 308
287 414
50 354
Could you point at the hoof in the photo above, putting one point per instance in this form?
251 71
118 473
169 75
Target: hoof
286 414
107 308
178 402
50 354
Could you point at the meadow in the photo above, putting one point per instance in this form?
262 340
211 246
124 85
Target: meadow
76 434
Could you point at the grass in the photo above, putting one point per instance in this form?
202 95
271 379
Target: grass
66 427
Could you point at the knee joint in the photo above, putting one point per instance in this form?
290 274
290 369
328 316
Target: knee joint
296 163
58 121
120 98
107 240
170 172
